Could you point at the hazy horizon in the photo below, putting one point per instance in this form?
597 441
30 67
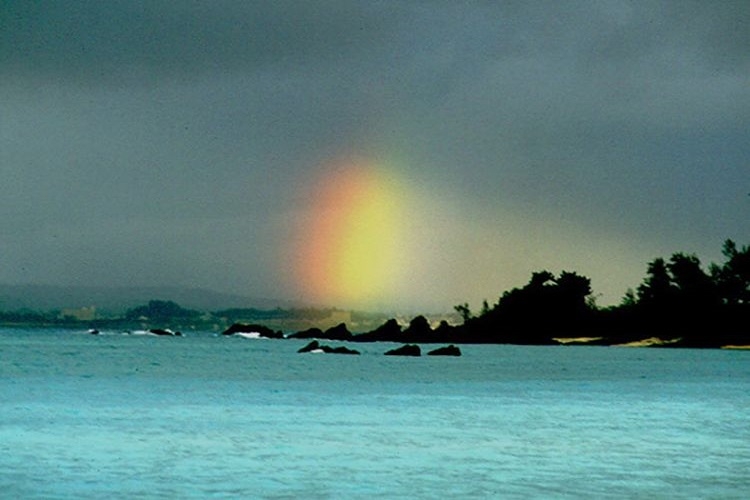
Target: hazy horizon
369 155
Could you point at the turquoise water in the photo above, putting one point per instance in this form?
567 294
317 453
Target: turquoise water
117 416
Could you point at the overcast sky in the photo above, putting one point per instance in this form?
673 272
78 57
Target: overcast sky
179 142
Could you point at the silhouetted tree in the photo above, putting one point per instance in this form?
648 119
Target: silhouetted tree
656 289
678 295
733 278
485 307
692 286
540 279
545 307
464 311
629 299
573 289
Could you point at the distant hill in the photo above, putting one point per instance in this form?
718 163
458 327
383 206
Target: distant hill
116 299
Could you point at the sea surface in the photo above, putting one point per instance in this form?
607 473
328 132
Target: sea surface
201 416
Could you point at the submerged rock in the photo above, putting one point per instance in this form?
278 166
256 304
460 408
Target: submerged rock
405 350
450 350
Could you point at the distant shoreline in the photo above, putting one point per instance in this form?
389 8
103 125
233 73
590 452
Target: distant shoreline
678 304
265 333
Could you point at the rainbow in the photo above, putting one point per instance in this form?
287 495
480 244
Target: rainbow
349 245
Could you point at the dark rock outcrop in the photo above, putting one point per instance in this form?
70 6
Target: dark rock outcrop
338 332
390 331
419 330
312 346
165 332
405 350
450 350
310 333
262 331
315 345
339 350
445 332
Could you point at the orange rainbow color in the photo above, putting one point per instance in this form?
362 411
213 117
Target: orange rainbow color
349 253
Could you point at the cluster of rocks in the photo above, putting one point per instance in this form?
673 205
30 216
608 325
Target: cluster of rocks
414 350
339 332
405 350
316 347
419 330
260 330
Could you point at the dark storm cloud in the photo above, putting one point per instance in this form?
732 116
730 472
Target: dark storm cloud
86 41
163 126
92 40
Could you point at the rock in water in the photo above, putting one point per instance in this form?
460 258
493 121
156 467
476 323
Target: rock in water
405 350
450 350
316 346
262 331
340 350
312 346
166 332
310 333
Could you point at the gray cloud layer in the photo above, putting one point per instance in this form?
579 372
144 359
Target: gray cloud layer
151 142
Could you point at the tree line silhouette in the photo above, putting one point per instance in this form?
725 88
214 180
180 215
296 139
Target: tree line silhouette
678 302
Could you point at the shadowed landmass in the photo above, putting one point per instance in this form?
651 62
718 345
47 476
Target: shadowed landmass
678 304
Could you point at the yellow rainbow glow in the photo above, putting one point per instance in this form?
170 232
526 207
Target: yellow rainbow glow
349 251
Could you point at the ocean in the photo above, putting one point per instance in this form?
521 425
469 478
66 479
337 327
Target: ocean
201 416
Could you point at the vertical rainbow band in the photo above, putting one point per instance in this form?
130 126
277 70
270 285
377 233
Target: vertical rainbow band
349 251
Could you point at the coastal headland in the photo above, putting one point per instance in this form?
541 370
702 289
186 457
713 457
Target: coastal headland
678 304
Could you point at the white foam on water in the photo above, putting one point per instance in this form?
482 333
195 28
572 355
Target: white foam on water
141 332
248 335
